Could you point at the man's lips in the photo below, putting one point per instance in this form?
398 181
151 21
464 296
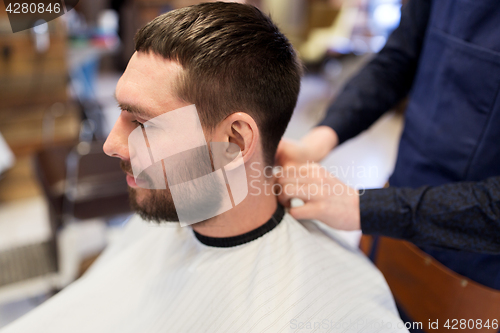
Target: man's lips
128 171
131 181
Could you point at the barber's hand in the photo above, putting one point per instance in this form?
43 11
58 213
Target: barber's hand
291 152
325 197
313 147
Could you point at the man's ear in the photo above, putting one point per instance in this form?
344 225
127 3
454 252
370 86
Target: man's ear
241 129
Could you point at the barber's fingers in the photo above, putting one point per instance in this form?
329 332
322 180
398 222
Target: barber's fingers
282 153
300 181
291 191
313 186
308 211
302 173
287 152
311 178
290 152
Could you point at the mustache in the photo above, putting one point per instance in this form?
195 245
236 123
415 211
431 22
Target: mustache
126 167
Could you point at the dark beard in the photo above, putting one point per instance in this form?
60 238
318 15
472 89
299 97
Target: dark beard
158 206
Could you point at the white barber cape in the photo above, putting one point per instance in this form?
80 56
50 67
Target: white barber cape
296 276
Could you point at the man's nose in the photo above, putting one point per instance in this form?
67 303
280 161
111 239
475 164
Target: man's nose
116 144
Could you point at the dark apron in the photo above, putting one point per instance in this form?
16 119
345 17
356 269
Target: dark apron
452 126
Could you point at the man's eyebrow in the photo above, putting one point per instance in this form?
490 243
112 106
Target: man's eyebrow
132 109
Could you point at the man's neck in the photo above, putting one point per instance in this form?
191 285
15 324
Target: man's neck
251 213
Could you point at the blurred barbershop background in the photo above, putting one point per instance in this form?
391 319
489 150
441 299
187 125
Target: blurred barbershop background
62 200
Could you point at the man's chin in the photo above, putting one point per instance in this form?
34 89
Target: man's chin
153 205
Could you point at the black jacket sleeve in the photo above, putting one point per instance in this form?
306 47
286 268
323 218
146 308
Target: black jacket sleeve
385 80
464 215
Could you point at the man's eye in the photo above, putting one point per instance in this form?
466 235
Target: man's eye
138 123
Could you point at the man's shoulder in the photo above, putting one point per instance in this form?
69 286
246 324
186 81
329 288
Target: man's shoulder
138 233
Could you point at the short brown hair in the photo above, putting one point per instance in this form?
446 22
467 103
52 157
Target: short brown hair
235 59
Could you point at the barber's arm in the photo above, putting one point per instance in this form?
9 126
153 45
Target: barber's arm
378 87
463 216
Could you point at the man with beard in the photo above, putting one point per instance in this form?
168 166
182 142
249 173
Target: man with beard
252 268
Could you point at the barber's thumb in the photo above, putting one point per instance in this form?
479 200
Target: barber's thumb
305 212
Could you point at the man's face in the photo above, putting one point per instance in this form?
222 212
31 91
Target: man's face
145 91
